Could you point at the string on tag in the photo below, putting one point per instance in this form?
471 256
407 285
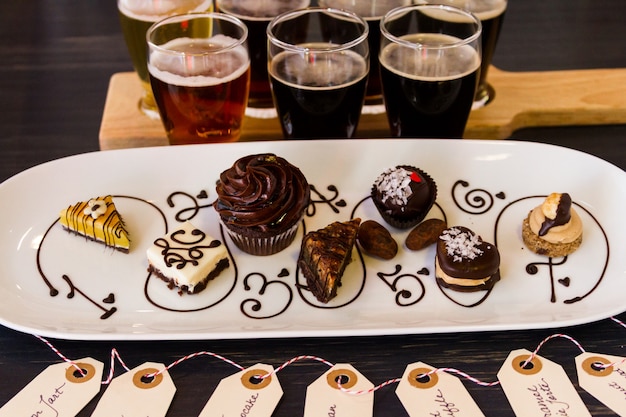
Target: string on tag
618 321
116 356
544 341
191 356
62 356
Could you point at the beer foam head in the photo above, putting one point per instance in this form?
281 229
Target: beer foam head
152 11
483 9
199 62
365 9
260 9
319 70
437 63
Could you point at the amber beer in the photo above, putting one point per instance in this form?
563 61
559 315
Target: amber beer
428 98
136 16
323 100
200 75
256 14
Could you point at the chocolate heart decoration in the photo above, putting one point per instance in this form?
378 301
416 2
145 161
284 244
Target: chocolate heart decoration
564 281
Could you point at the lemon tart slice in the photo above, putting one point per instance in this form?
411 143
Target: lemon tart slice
97 220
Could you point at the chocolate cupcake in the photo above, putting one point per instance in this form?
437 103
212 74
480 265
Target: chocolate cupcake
404 195
260 200
464 262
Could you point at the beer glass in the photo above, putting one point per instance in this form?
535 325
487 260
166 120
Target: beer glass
319 61
491 15
372 11
136 16
257 14
430 65
200 75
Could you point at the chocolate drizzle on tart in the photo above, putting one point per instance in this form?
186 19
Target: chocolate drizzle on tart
98 220
324 255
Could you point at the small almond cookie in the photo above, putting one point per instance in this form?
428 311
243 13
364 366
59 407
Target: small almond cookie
425 234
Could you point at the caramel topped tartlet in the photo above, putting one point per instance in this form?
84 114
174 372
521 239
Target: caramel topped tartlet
553 228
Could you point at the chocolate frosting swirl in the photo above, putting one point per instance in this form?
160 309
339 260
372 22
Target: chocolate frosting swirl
263 192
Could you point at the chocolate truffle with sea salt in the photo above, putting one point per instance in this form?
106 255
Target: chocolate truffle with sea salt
404 195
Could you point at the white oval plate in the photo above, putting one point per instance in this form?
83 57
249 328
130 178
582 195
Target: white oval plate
488 186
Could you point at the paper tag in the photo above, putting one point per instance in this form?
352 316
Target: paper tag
133 395
324 398
539 388
245 394
438 394
607 385
60 390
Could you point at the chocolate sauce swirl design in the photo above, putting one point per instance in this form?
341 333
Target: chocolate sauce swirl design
334 202
533 267
193 209
477 201
273 297
188 251
263 192
404 295
252 307
73 289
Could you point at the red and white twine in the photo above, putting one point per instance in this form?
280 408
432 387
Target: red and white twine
116 356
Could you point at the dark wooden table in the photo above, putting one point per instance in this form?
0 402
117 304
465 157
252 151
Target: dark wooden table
56 58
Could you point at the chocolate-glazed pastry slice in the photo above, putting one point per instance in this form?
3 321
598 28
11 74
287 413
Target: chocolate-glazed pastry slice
464 262
324 255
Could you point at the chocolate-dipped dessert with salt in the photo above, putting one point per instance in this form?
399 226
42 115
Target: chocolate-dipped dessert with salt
553 228
404 195
464 262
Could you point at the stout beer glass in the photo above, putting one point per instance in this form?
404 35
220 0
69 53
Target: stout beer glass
200 75
372 11
136 16
256 14
430 65
491 15
319 61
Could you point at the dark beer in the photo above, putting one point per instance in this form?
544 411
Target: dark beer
319 98
491 15
202 100
428 95
491 20
256 15
372 11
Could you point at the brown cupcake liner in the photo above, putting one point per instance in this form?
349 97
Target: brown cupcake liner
263 245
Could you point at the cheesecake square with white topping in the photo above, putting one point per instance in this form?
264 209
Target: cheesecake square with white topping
187 258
